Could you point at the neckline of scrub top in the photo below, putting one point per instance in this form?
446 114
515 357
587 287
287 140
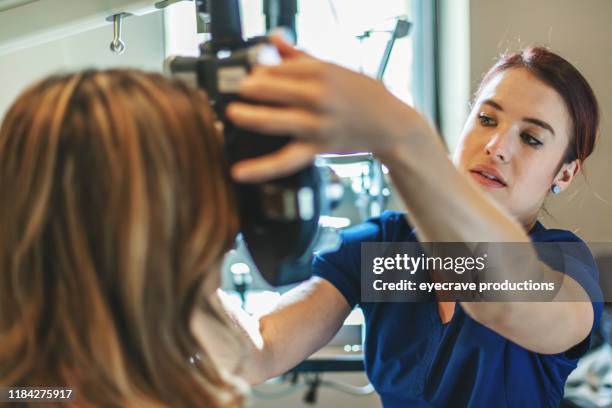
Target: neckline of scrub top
439 318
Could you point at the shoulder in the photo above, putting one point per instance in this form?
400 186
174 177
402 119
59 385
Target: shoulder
539 233
341 265
564 245
390 226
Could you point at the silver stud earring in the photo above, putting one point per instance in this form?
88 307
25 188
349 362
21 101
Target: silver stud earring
555 189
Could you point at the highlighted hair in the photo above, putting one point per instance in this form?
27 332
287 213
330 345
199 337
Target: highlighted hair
115 207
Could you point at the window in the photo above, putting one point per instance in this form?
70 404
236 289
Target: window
352 33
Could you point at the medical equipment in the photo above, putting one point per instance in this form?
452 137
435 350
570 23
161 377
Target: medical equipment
279 218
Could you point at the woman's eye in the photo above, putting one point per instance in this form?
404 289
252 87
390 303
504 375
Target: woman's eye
486 120
530 140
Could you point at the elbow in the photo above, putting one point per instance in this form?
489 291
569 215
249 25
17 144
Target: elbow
257 366
533 326
576 328
489 314
255 363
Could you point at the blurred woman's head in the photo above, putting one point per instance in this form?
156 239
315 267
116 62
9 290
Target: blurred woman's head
115 209
533 124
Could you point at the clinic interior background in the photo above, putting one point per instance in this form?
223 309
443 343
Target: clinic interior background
470 34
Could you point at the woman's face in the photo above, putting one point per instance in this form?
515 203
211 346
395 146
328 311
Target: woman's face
514 140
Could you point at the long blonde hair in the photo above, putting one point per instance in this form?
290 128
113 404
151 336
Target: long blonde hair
115 205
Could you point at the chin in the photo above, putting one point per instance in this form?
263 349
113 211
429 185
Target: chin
497 194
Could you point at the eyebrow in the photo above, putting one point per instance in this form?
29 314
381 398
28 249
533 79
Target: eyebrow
534 121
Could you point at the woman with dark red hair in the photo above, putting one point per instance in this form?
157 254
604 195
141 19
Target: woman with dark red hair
533 123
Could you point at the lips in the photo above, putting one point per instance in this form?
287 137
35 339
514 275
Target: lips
488 176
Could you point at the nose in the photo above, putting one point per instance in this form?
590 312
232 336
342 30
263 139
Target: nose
500 147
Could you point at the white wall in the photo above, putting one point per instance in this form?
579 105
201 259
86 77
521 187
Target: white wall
143 36
581 32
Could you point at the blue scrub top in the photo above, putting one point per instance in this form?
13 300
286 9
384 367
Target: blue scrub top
413 360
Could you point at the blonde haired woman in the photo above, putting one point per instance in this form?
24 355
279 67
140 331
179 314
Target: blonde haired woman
114 214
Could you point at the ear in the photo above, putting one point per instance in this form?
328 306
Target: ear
566 174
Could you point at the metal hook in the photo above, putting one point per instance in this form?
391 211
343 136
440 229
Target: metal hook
117 46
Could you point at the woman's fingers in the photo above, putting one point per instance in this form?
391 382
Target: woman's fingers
285 49
283 162
276 120
302 66
284 91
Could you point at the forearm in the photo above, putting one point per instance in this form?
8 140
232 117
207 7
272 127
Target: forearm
303 321
265 355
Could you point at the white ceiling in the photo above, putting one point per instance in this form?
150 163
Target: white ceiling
25 23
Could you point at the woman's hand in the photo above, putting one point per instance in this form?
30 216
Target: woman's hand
327 108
